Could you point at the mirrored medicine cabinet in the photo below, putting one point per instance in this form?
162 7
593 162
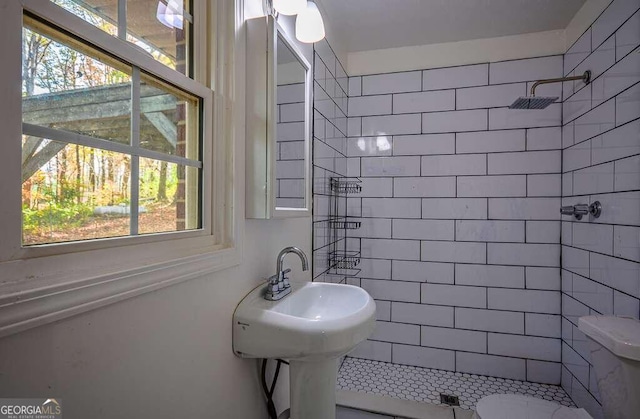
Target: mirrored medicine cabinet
278 123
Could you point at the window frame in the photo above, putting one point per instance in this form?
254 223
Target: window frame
56 16
66 21
66 278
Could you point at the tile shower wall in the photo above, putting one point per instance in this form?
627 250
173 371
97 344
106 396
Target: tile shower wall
601 162
460 232
329 157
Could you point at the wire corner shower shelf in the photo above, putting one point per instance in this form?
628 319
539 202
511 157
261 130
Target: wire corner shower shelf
344 254
345 185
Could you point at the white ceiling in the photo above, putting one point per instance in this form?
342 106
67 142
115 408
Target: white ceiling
376 24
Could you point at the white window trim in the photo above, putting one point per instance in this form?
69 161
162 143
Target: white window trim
42 284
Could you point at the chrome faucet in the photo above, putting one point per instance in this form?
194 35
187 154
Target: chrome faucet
279 286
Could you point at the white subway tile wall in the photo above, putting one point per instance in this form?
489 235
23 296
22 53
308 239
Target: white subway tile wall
330 150
461 234
601 161
461 197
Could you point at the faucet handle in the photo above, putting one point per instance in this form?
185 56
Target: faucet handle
273 280
273 283
285 279
578 210
281 280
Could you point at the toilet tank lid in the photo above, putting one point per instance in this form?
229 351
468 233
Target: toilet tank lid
511 406
620 335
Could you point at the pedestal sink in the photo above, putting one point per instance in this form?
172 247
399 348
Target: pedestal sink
312 327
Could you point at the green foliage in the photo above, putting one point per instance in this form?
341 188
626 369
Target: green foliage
150 180
60 211
55 216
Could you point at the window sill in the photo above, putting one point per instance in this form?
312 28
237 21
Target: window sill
40 305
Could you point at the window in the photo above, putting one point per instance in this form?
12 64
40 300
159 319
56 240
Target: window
111 183
112 136
160 27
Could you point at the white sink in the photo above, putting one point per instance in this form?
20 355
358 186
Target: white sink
312 327
316 321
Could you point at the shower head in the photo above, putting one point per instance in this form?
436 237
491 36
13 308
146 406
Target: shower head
539 102
542 102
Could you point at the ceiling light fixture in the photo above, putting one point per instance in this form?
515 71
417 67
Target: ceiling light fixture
289 7
309 24
171 14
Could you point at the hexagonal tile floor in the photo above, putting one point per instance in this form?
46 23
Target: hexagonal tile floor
426 385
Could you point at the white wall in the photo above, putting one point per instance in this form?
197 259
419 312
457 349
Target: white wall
448 54
165 354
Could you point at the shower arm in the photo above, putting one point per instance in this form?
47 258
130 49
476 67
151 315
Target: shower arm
586 77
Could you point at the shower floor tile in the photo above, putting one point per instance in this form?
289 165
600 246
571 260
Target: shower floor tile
426 385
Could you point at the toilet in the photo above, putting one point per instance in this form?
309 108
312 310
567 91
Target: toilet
512 406
614 343
615 355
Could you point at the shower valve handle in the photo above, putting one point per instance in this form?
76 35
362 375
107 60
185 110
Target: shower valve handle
579 210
